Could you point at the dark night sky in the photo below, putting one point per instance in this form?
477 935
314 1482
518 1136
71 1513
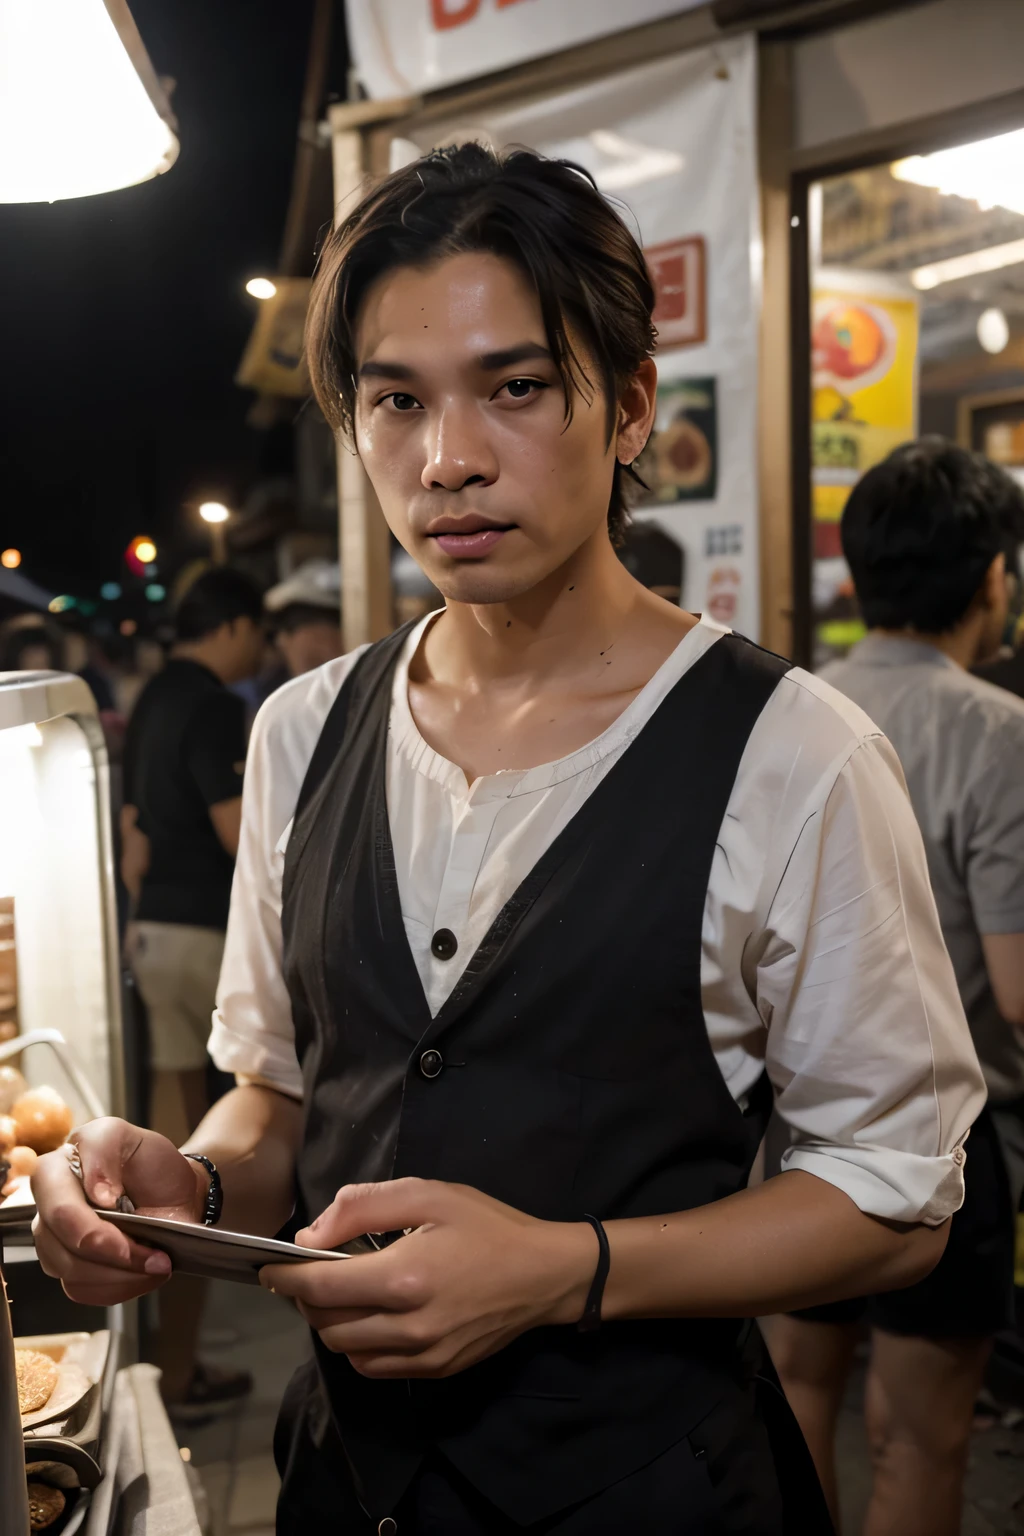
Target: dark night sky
124 315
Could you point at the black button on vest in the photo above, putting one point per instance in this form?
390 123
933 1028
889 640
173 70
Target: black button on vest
586 1081
431 1063
444 944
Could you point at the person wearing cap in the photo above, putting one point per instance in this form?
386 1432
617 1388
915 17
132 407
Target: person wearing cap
305 615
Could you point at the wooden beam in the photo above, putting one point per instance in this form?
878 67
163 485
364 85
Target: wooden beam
774 398
363 540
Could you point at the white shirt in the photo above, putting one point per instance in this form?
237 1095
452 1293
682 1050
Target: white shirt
822 956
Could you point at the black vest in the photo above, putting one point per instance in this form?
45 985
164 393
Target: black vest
576 1075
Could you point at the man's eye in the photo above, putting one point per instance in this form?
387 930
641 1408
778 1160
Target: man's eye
521 389
403 402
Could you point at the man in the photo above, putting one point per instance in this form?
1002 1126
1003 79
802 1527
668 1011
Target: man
183 763
304 612
930 537
528 896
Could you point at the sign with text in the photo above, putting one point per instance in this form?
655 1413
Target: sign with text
680 310
407 47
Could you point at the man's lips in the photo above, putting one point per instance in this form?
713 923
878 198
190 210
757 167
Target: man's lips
467 538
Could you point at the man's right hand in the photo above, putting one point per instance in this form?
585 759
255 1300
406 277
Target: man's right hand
96 1263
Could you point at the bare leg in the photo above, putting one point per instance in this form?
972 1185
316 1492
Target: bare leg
179 1103
813 1361
918 1403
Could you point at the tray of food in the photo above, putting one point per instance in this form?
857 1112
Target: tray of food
64 1381
33 1120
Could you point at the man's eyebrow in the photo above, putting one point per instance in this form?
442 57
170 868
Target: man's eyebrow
386 370
490 362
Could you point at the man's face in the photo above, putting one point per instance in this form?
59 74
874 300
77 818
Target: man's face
461 425
245 649
309 645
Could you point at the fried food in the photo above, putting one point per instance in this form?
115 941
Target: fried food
42 1118
44 1505
37 1376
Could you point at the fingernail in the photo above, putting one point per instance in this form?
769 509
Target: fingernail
158 1264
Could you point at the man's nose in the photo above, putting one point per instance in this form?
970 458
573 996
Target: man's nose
458 451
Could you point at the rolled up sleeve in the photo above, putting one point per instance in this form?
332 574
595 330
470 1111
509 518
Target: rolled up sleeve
253 1032
868 1048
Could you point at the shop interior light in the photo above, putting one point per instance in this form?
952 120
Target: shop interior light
993 330
14 737
214 512
970 264
110 591
989 172
81 108
260 288
155 592
145 551
10 559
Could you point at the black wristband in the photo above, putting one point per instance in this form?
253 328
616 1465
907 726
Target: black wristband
591 1319
214 1195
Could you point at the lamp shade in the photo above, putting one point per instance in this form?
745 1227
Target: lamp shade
81 109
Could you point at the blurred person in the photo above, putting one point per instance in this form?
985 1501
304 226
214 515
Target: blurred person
537 900
305 616
183 764
30 647
928 535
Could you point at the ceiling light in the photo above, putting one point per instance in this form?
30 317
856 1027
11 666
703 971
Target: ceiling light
81 109
634 163
969 265
260 288
989 172
214 512
993 330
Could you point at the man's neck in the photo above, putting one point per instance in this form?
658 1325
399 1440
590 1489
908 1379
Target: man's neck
555 630
201 651
960 644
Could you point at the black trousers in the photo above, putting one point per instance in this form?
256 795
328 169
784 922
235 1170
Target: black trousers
713 1482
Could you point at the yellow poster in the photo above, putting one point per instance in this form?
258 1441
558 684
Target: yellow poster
863 388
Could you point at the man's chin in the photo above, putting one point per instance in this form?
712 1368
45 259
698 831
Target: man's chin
478 582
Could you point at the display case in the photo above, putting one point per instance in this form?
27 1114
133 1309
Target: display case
60 1028
59 966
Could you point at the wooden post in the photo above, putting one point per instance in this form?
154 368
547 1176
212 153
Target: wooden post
774 397
363 540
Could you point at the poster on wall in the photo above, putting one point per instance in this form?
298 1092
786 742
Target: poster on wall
864 355
406 47
673 146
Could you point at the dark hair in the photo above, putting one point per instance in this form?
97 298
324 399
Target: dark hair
921 529
547 216
217 597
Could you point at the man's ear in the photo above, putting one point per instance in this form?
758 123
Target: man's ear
637 406
994 585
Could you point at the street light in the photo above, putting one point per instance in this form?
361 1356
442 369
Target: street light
260 288
10 559
81 108
215 514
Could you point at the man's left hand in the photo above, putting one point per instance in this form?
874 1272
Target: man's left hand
470 1277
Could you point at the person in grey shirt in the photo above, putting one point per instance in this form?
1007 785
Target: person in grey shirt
931 538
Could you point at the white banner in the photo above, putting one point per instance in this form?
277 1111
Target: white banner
406 47
673 145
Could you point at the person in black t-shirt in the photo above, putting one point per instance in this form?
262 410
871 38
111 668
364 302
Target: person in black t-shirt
183 764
